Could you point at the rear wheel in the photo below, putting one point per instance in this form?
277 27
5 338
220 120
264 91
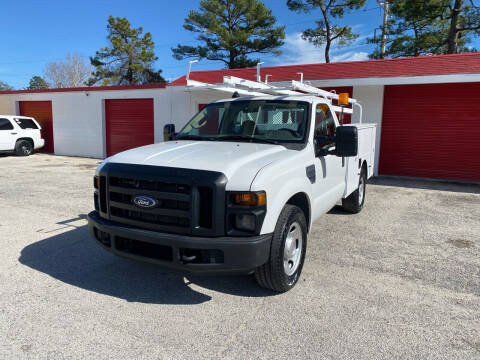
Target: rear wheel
23 148
354 202
287 251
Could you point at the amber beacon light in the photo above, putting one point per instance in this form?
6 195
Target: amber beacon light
343 99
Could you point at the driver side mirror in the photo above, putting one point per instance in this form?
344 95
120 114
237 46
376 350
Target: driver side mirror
346 141
168 132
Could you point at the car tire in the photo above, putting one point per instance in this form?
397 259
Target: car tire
287 252
23 148
354 202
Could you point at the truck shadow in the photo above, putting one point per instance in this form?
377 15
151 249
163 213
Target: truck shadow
73 258
426 184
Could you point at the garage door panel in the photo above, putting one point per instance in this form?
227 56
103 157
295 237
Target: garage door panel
129 124
42 112
432 131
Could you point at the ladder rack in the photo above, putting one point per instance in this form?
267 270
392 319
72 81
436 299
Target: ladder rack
232 84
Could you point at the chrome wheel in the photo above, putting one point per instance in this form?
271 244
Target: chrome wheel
361 190
292 252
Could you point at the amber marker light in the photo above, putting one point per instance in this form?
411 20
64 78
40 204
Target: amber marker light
250 198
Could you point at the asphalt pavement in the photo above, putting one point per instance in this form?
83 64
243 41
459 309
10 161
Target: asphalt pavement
400 280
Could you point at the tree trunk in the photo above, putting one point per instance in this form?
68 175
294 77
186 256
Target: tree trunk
327 50
231 60
328 40
452 40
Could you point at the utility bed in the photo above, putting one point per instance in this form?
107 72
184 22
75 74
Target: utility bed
366 152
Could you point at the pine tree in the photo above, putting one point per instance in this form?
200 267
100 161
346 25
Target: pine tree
37 82
230 31
128 60
430 27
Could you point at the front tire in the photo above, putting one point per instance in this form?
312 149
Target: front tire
23 148
287 252
354 202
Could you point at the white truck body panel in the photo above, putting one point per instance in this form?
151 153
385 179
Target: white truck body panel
366 152
239 161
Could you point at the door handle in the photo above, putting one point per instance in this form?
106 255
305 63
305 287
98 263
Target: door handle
14 133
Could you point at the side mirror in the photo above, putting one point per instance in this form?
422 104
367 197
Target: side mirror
346 141
168 132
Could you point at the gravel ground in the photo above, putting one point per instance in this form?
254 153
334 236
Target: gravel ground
399 280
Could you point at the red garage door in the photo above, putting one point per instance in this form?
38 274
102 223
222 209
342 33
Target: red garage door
129 124
42 112
431 131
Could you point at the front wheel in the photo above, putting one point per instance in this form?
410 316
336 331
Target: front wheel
287 252
354 202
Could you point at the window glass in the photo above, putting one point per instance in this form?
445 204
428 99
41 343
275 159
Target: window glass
324 126
5 124
252 120
26 123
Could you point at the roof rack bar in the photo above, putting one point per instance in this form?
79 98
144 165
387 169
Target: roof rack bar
197 85
259 78
256 86
296 85
232 84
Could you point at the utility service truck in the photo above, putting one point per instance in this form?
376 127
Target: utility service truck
238 188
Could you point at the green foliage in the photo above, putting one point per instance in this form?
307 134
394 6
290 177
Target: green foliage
128 60
37 82
326 33
4 86
429 27
230 31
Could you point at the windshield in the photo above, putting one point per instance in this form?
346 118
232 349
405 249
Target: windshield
269 121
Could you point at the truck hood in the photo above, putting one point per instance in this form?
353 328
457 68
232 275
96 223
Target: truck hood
239 161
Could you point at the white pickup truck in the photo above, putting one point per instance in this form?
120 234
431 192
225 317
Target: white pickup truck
19 135
236 190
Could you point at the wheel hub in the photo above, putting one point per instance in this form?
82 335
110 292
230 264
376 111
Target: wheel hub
293 249
361 190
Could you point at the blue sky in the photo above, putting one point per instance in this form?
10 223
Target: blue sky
34 33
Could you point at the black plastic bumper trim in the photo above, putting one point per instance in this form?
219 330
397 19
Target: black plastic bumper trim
241 254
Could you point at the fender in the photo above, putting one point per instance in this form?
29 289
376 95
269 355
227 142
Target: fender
281 185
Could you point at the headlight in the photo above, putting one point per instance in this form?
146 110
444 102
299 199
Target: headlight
245 222
245 212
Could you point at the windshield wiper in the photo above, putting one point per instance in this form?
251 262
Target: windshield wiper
196 137
248 138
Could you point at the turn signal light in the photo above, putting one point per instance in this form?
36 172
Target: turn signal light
96 182
343 99
250 198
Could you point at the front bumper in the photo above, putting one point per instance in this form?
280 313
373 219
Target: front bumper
210 254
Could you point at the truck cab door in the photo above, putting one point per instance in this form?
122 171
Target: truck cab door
7 135
330 169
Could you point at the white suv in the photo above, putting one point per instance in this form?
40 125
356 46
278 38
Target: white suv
20 134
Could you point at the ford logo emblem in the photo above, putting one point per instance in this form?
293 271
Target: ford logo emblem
144 202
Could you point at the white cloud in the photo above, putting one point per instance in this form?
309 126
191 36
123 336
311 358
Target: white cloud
350 56
299 51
